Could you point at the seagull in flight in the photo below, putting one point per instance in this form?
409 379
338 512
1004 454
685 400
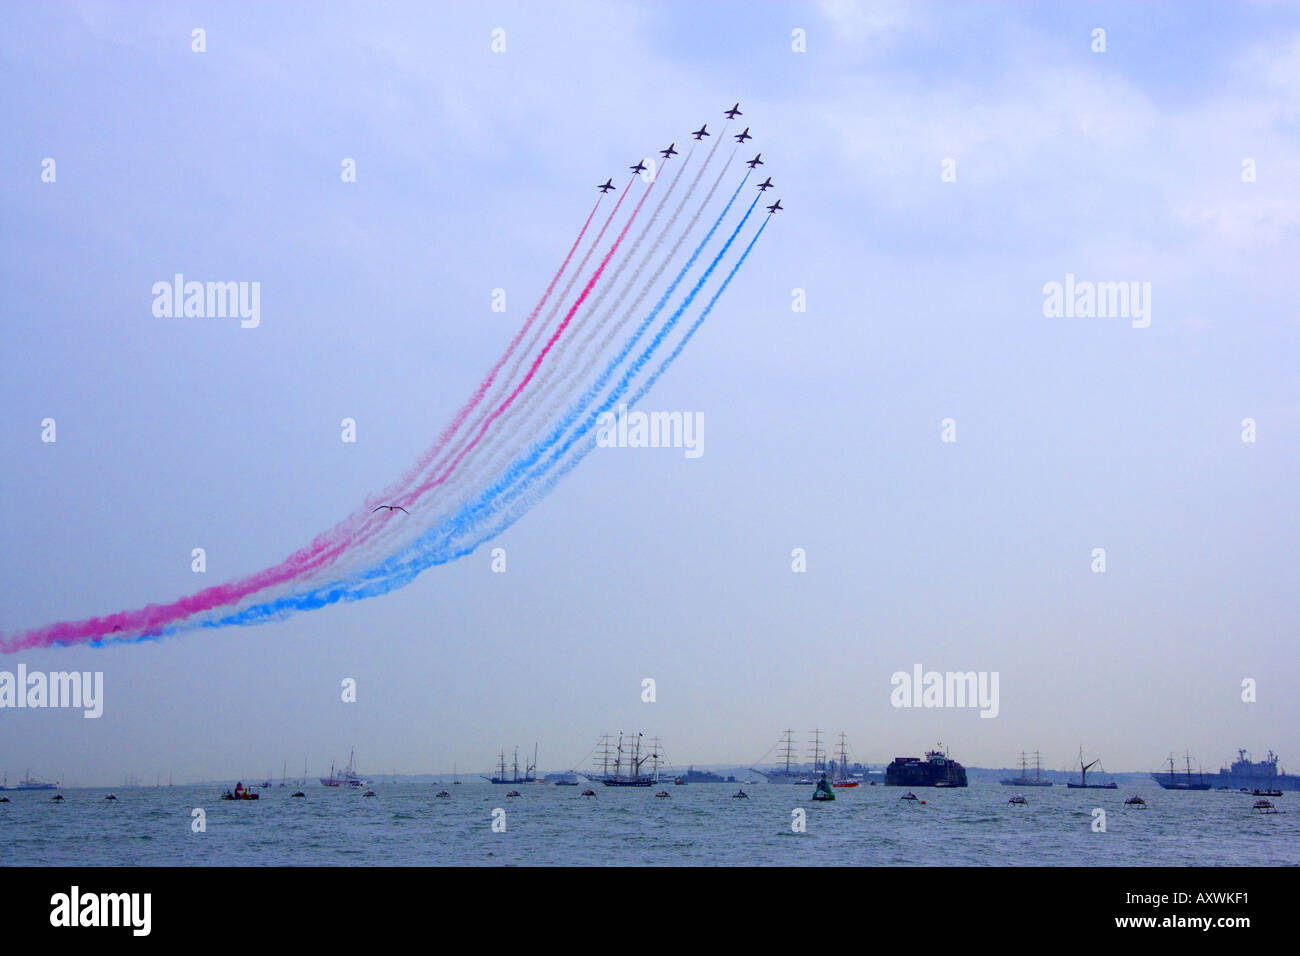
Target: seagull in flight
392 508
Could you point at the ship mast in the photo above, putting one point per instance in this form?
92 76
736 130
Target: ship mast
789 750
817 752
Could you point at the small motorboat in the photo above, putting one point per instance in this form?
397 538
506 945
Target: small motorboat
1266 793
240 795
679 781
442 793
513 793
740 795
111 796
299 794
1136 801
662 794
58 798
589 793
1018 800
560 783
4 799
369 793
1264 806
908 796
845 784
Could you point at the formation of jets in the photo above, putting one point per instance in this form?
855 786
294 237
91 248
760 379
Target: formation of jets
699 134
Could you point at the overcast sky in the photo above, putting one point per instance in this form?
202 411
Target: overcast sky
822 428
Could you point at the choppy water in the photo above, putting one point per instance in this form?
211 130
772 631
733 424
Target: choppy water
701 824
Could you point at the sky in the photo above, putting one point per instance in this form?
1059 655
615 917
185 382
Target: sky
924 301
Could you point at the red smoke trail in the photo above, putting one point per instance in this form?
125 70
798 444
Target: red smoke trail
323 549
542 355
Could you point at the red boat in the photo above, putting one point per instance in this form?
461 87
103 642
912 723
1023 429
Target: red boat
846 783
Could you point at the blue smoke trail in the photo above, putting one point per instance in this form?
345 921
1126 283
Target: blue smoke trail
508 487
399 570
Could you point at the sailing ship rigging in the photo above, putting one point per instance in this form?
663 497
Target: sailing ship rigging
624 769
530 770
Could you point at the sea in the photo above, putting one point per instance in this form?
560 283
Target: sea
405 824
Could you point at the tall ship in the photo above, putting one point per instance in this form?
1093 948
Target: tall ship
31 783
1256 774
1083 783
1170 780
347 777
841 777
936 770
621 765
529 774
788 768
1024 780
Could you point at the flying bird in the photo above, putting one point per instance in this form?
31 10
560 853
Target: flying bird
392 508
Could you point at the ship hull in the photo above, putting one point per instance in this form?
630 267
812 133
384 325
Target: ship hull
1093 786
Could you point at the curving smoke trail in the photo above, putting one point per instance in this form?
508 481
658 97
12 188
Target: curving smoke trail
387 526
496 453
436 463
523 482
444 548
438 544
